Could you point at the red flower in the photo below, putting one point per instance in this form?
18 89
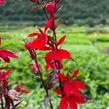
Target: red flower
19 89
2 2
4 80
3 75
51 7
5 54
71 91
59 55
28 47
42 38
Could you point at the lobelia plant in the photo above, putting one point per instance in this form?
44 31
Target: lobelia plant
9 98
68 88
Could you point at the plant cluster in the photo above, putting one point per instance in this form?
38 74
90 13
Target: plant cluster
8 96
62 83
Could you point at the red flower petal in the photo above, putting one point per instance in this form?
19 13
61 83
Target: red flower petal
2 2
68 89
29 48
62 54
64 103
49 57
72 103
39 43
50 7
75 73
50 66
61 76
59 55
8 53
79 99
61 40
25 91
76 92
18 88
5 54
48 25
45 48
59 92
8 72
47 67
6 59
28 45
78 85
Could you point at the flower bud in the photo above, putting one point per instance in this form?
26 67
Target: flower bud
14 95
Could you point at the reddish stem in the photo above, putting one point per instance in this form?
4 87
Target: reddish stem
43 83
55 41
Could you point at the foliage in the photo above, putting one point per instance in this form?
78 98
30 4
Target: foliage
89 50
91 59
91 72
93 63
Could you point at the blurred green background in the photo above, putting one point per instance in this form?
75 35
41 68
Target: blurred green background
87 12
87 30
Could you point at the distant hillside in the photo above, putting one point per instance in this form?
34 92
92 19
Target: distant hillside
74 11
